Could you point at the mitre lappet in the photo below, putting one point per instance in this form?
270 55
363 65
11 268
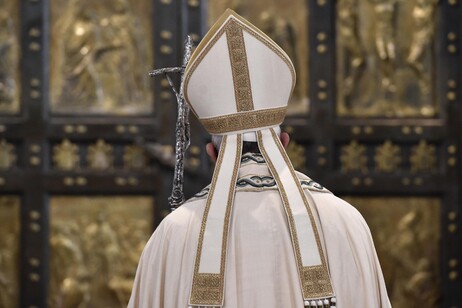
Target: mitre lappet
238 83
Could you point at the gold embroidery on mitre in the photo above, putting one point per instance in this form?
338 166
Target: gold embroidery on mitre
227 22
244 120
239 66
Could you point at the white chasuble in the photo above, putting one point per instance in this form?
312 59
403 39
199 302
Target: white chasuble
261 270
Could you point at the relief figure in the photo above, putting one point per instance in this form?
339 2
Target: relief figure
281 31
8 60
384 11
9 251
95 247
351 41
385 58
102 54
423 16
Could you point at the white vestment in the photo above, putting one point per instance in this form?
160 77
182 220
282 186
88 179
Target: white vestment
261 270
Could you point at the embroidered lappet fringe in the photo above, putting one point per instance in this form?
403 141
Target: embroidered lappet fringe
330 302
321 303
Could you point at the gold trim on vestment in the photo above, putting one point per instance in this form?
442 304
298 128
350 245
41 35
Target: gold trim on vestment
208 288
244 120
314 280
239 66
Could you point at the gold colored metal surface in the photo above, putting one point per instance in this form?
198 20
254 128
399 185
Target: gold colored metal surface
81 129
34 215
353 157
81 181
406 232
100 52
423 157
34 160
387 157
9 57
135 157
452 228
165 34
35 148
285 23
453 263
9 250
356 130
385 58
35 227
66 155
100 155
34 277
296 153
68 129
35 46
7 155
95 246
68 181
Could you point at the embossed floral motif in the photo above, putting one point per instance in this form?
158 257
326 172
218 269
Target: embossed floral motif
100 155
66 155
387 157
423 157
353 157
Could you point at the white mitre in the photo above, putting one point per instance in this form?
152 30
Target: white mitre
239 81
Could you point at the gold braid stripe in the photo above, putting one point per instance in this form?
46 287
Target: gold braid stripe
239 66
244 120
207 288
315 280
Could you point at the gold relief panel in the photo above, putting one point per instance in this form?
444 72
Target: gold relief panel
100 155
134 157
387 157
423 157
66 155
9 251
386 58
9 57
99 54
286 22
7 155
95 246
296 153
353 157
406 232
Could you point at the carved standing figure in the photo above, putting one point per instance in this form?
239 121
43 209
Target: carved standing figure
423 17
8 58
348 23
384 13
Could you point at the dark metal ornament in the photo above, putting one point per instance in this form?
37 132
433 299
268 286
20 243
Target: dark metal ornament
182 130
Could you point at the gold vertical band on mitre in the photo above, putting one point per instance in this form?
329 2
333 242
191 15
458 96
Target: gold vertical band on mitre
239 66
244 120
